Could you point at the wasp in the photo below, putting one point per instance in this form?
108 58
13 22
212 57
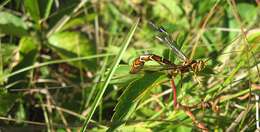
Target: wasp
187 65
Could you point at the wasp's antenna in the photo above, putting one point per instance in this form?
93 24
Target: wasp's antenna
153 25
165 38
159 29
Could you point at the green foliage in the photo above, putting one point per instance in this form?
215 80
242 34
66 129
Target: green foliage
118 58
32 7
11 24
7 102
28 50
38 9
65 63
132 95
7 52
72 45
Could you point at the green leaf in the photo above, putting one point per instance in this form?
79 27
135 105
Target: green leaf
11 24
38 9
28 46
32 7
183 129
135 128
21 113
45 7
6 103
110 74
132 94
79 21
28 49
131 97
6 56
71 45
248 12
254 36
122 75
6 51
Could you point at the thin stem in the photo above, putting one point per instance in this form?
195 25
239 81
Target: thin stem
174 93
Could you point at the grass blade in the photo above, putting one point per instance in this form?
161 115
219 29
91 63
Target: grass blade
108 78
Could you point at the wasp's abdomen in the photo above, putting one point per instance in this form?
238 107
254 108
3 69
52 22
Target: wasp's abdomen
138 63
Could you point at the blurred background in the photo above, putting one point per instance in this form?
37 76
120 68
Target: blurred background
64 65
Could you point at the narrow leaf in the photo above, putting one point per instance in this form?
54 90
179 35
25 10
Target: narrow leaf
32 7
109 76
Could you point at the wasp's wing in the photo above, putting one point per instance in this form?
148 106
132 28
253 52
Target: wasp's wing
154 68
165 38
160 68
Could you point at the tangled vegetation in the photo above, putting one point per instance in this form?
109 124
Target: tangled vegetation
65 65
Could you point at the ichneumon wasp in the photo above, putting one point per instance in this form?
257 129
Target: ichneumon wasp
187 65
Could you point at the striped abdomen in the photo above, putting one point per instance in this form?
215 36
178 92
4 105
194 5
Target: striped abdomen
139 62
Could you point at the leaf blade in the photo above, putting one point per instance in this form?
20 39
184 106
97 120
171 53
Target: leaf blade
111 73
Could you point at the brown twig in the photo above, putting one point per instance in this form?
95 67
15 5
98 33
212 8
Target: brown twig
174 93
188 112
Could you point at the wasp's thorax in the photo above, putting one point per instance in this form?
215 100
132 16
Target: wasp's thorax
195 66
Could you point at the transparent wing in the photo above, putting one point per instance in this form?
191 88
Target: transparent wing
165 38
154 68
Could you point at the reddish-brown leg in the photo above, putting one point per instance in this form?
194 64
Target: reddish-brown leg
174 93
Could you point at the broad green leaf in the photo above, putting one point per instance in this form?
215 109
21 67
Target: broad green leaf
132 95
11 24
71 45
28 46
77 22
32 7
248 12
28 49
